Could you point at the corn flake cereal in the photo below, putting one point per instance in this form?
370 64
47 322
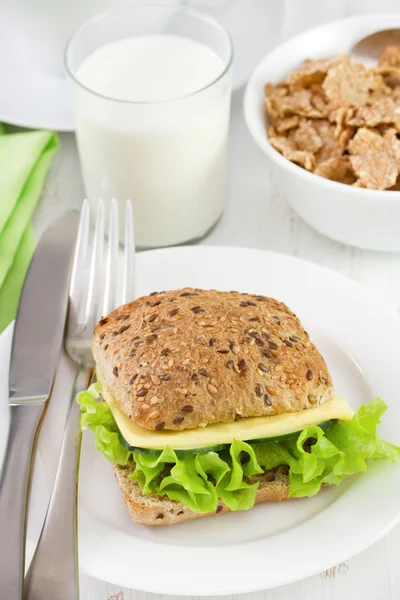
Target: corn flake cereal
340 120
295 103
352 84
375 158
313 71
386 110
289 151
390 57
305 137
336 169
282 125
332 145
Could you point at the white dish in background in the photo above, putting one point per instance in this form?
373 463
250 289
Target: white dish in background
368 219
31 95
33 36
272 544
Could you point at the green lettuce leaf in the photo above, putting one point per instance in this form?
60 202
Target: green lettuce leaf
98 417
314 457
336 452
199 480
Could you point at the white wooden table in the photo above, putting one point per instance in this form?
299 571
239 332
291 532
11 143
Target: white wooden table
258 217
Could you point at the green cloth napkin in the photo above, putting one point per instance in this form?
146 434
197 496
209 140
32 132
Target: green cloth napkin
24 161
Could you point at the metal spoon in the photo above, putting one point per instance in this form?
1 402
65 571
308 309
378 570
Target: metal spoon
370 48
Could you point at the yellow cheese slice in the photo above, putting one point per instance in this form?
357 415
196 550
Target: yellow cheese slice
224 433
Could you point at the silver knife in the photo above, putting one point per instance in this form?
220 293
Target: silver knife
37 342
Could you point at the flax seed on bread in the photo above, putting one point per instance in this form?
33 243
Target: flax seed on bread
187 358
155 510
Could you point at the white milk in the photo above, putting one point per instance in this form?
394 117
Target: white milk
161 144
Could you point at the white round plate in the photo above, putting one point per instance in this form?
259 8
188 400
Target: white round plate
31 95
272 544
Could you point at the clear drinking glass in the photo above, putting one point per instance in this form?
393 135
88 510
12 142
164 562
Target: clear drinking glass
168 156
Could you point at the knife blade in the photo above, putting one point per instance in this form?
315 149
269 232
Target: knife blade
37 342
40 322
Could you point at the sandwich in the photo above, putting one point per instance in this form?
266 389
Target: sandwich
209 401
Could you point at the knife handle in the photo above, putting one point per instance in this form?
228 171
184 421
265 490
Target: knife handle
14 491
53 573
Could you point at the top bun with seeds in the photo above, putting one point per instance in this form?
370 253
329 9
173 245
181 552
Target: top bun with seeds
187 358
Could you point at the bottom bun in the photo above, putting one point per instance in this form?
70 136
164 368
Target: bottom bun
156 510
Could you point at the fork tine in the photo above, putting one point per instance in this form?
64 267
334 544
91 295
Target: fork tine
93 305
78 280
128 279
80 255
110 282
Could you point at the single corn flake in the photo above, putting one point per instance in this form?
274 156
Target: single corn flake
390 57
305 137
282 125
389 66
352 84
336 169
375 159
289 151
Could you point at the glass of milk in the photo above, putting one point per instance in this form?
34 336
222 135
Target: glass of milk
150 88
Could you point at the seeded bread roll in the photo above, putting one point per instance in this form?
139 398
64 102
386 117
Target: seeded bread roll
155 510
187 358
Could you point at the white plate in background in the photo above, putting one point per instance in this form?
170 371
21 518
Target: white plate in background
31 95
272 544
33 36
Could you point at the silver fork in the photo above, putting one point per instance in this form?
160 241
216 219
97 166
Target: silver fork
53 573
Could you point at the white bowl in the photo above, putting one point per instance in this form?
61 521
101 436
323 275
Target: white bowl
368 219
